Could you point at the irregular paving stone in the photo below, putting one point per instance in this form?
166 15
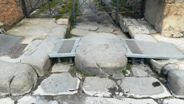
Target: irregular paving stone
144 37
143 87
62 21
95 86
35 100
61 67
6 101
118 76
96 100
37 55
100 54
58 84
16 78
141 70
87 26
175 82
38 28
81 32
173 101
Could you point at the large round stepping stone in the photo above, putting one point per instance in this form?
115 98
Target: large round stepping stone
100 53
16 78
143 87
58 84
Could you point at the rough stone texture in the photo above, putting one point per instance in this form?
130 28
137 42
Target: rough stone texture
175 82
95 100
37 55
62 21
173 101
167 17
10 12
16 78
37 28
95 86
164 66
35 100
136 26
6 101
58 84
140 70
144 37
143 87
100 53
61 67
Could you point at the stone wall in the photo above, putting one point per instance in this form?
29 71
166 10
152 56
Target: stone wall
167 16
10 12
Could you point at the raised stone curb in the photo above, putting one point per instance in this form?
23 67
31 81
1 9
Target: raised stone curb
37 55
175 82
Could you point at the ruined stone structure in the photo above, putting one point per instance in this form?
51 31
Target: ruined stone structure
10 12
167 16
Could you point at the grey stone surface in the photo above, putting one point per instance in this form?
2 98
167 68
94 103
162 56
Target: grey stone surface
87 26
141 70
95 100
175 82
118 75
62 21
35 100
143 49
80 32
37 55
6 101
38 28
16 78
136 26
143 87
58 84
153 13
61 67
145 37
100 53
173 101
96 86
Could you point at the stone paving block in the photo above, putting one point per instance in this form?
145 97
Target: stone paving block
6 101
62 21
61 67
95 86
97 100
37 55
173 101
35 100
141 70
175 82
16 78
145 37
38 28
143 87
80 32
58 84
87 26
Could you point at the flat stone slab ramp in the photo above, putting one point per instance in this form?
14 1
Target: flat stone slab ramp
158 50
65 48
